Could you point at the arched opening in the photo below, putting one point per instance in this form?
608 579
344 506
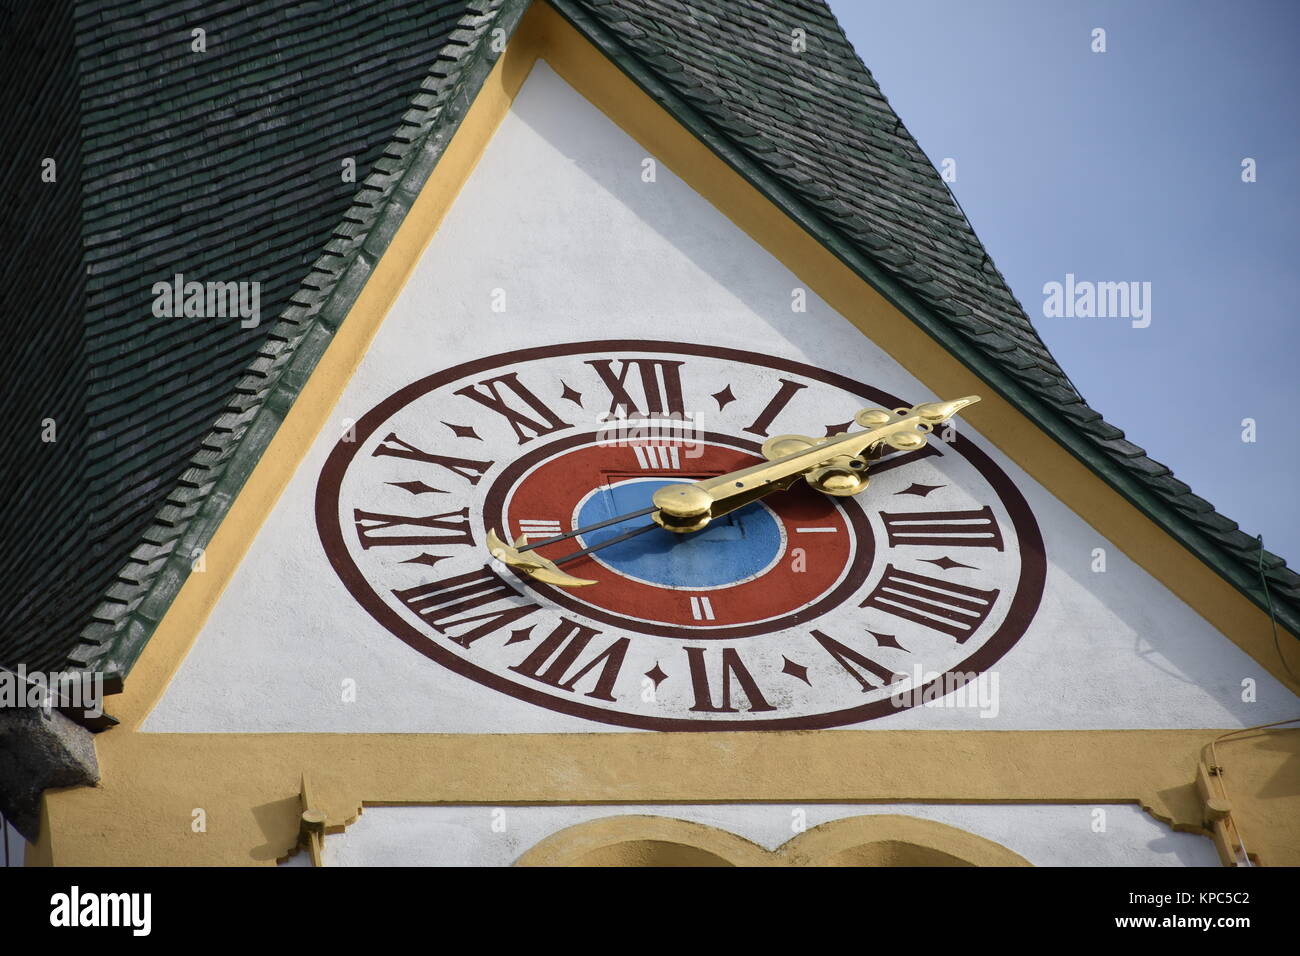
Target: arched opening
892 853
639 840
889 839
867 840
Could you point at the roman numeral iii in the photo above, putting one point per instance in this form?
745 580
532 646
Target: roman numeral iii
954 609
969 529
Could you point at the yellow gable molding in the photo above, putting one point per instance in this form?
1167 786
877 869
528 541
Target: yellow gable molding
875 840
142 811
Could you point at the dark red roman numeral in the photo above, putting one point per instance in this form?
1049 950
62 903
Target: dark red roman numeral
559 651
779 401
441 603
732 668
846 657
488 393
954 609
660 386
467 468
455 523
970 529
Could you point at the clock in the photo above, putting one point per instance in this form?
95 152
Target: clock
809 607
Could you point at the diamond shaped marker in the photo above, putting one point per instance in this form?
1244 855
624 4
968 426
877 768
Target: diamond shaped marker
947 563
919 490
463 431
795 670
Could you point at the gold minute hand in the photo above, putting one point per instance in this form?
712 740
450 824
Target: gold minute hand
689 507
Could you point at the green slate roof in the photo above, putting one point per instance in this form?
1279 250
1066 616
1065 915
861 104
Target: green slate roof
225 164
179 414
46 588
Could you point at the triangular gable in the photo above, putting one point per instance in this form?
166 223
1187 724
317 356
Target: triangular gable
602 251
961 302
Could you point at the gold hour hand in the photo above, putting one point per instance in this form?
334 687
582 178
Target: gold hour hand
531 563
524 557
836 465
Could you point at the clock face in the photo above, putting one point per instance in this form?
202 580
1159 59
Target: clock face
797 611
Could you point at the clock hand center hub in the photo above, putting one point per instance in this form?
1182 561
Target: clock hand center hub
682 508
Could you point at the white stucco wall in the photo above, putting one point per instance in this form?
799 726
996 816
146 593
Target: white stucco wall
1044 834
558 216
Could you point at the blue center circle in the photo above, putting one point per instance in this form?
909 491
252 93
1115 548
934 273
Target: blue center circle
731 549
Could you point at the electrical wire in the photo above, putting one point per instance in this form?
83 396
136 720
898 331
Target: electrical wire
1216 770
1214 765
1268 601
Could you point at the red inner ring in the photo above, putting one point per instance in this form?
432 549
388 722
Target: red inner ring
545 482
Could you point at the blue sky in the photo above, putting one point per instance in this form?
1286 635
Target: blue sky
1126 166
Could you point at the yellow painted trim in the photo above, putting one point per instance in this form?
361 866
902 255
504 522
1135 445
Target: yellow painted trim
250 785
141 813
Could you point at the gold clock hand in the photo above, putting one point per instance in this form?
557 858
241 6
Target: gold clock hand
835 465
617 539
689 507
544 569
531 563
591 527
